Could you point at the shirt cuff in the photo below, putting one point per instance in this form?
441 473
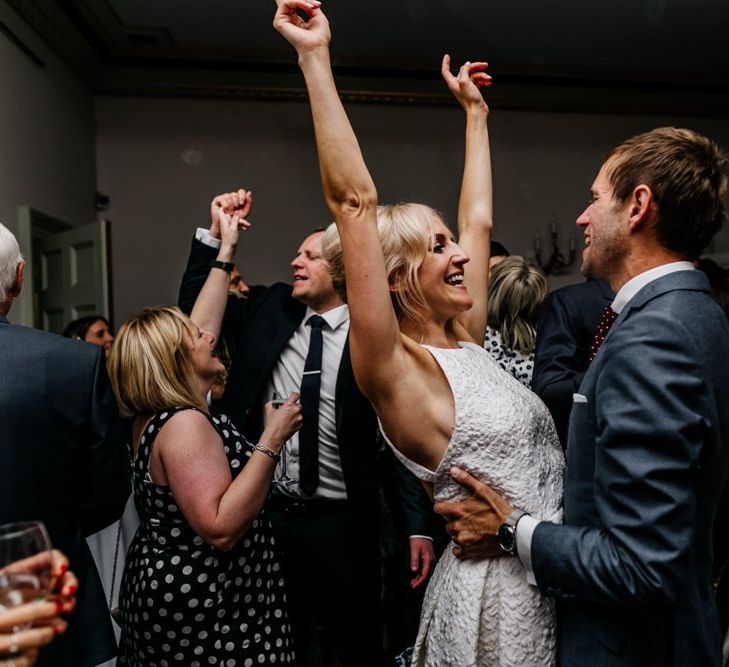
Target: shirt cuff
524 531
422 537
203 235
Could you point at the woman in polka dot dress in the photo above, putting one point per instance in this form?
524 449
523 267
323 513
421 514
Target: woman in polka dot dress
517 288
202 583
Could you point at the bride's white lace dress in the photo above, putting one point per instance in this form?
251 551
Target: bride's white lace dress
484 613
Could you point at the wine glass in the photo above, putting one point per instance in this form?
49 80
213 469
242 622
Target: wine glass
277 401
25 566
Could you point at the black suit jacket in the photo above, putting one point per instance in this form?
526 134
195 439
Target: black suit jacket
259 328
63 461
567 325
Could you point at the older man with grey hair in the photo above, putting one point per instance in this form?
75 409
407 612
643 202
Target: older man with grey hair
63 458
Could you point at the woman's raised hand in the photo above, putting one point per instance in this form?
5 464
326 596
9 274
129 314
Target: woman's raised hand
466 86
302 35
232 204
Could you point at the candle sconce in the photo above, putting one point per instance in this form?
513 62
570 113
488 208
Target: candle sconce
556 264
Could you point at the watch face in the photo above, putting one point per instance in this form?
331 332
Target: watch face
506 539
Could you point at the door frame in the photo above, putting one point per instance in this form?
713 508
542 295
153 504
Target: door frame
34 224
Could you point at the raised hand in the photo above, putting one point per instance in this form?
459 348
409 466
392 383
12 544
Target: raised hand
466 86
234 204
302 35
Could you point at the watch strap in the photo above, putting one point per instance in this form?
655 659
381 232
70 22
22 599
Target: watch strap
219 264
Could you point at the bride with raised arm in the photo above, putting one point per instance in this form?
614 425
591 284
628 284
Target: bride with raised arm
417 301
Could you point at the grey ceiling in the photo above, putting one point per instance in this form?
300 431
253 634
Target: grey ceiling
628 56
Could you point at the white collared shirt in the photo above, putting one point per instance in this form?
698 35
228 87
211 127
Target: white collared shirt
527 524
286 378
634 285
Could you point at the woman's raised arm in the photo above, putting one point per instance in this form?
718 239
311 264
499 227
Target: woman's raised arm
475 207
350 194
227 213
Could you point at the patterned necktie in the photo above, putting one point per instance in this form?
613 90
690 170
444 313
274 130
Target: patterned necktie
606 321
310 389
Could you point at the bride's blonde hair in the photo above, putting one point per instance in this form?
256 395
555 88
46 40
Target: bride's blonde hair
407 233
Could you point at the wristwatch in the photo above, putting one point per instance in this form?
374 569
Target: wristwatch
219 264
507 532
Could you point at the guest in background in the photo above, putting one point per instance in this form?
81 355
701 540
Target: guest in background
93 329
718 281
202 579
517 288
566 328
63 456
497 255
238 287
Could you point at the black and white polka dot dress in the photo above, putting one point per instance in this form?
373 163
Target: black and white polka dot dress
184 602
518 364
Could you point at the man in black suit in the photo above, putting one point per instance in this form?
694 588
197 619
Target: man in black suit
328 534
64 461
567 326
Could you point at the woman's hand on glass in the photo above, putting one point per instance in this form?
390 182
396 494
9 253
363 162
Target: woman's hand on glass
281 422
27 627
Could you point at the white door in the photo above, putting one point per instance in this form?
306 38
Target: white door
67 275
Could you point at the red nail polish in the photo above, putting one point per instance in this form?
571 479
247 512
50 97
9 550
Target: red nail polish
58 629
59 608
72 589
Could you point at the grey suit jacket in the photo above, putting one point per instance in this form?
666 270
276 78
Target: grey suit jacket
62 461
646 456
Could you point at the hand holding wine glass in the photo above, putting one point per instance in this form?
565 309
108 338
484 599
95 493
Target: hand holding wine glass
35 588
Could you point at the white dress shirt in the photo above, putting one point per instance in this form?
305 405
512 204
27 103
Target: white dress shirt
527 524
286 378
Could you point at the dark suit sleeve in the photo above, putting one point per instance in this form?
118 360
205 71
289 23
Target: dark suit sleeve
420 519
237 312
648 422
560 359
196 273
106 468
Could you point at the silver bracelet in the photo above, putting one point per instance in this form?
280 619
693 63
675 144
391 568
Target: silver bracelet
268 452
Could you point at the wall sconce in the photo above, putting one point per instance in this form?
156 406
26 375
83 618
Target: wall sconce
557 263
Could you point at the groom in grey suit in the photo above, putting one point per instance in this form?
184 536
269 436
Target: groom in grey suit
649 428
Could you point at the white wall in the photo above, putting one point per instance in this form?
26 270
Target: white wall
543 165
47 157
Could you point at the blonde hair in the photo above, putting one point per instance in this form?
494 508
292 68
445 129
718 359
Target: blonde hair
518 287
150 365
407 233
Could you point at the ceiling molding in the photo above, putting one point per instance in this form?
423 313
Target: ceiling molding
114 57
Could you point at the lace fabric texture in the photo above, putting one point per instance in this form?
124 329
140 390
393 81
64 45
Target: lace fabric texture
484 612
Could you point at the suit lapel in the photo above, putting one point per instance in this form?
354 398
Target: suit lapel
678 280
292 313
345 377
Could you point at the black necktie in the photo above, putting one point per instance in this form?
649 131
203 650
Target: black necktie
606 321
310 389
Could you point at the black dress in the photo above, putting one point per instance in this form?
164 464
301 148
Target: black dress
184 602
